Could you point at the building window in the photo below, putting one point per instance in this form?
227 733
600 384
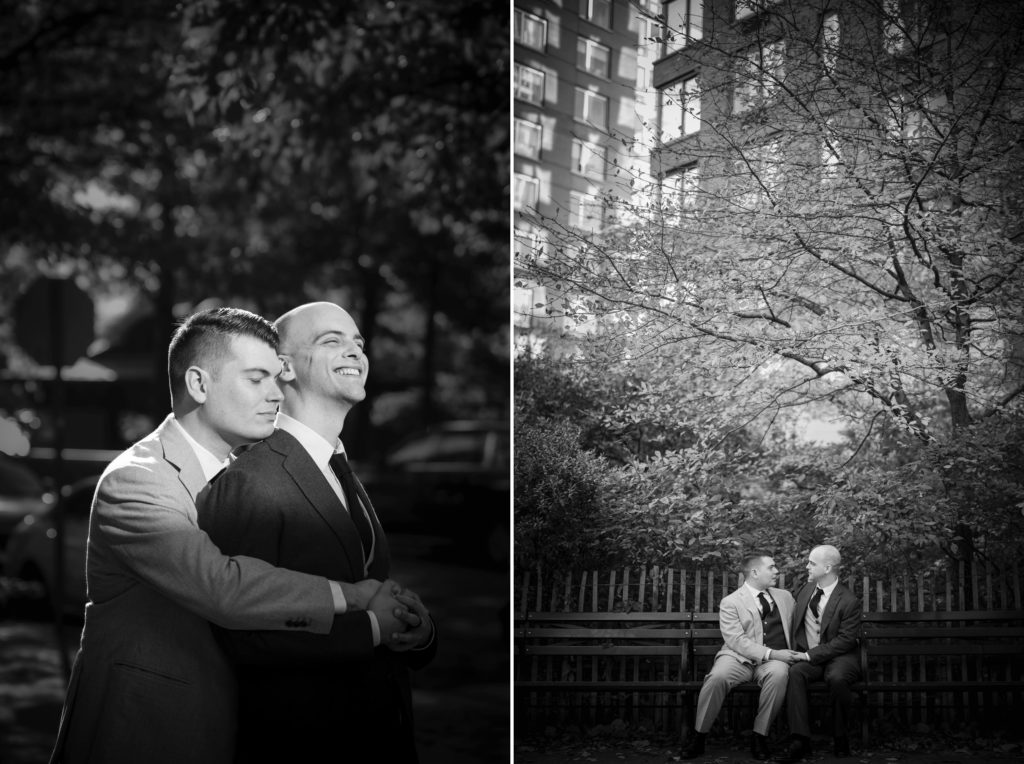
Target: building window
894 27
758 176
648 32
529 245
684 23
680 109
588 159
830 42
529 84
527 138
598 12
748 8
679 192
760 77
528 304
526 192
916 119
644 76
585 211
593 57
530 30
591 108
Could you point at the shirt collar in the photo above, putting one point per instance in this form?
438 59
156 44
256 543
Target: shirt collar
209 463
312 441
755 592
827 590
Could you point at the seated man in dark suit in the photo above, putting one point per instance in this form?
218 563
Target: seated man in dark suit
826 625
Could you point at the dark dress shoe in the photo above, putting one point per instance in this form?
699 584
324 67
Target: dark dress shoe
694 748
759 747
796 751
841 746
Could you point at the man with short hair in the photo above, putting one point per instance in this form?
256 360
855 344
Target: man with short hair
826 630
292 500
149 683
755 625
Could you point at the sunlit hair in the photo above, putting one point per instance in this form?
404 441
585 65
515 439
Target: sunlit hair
753 560
202 340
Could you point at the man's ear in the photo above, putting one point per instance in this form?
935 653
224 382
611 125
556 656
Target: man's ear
287 372
195 384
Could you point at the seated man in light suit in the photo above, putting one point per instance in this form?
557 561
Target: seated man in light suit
755 623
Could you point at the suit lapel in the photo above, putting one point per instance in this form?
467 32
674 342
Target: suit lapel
751 604
314 486
179 454
784 613
830 607
379 558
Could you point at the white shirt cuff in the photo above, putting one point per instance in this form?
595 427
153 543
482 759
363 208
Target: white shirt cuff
340 603
375 627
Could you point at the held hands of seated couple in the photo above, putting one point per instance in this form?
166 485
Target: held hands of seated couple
404 620
788 657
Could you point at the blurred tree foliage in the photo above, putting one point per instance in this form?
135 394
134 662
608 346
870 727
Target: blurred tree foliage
266 153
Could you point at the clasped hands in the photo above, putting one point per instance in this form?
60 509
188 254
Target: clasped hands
403 618
788 657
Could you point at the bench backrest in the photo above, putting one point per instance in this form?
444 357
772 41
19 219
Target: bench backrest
594 647
919 646
946 646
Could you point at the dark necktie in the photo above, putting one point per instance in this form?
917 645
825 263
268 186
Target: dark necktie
766 607
815 599
341 467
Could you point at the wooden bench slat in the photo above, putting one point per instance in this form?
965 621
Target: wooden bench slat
585 616
638 650
638 633
914 632
963 648
609 686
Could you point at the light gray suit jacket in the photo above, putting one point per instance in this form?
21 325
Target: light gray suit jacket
739 619
149 683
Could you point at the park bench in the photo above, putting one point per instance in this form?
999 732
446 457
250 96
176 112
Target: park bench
603 652
916 659
923 660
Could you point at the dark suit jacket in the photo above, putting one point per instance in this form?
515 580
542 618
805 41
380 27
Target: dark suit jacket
840 624
302 694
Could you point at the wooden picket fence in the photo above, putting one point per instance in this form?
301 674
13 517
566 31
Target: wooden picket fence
982 587
654 589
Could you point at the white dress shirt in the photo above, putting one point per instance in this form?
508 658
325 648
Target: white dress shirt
771 606
208 463
812 622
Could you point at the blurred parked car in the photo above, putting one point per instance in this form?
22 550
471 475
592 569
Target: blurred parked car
450 479
31 547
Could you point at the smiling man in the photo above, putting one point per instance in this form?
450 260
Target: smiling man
292 500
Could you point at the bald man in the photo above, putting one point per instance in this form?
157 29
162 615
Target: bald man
825 629
291 500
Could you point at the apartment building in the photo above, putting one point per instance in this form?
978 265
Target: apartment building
580 72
